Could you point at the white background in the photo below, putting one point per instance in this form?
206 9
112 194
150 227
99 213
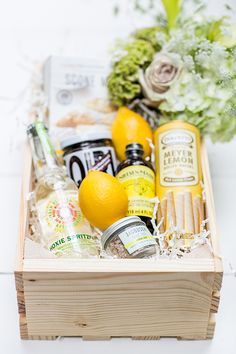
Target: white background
30 31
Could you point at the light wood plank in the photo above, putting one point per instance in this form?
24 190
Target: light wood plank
118 265
91 338
21 302
146 338
146 305
23 218
41 338
211 209
211 327
109 281
23 326
215 301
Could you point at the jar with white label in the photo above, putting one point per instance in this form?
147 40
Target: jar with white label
88 151
129 237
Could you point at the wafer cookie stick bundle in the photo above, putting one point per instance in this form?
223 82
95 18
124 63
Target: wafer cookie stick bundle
179 177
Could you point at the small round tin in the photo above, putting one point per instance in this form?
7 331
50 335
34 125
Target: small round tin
129 237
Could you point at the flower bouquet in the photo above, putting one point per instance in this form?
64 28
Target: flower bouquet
182 68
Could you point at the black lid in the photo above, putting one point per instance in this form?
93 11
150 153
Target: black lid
31 130
134 148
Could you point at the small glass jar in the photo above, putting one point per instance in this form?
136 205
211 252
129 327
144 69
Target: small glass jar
129 237
91 150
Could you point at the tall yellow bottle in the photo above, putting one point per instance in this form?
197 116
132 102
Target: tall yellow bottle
179 176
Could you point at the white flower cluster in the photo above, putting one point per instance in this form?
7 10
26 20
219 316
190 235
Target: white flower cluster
205 92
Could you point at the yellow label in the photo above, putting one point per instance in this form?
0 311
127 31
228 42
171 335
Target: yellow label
178 165
139 184
178 158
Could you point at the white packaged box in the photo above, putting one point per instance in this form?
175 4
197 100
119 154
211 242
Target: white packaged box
77 93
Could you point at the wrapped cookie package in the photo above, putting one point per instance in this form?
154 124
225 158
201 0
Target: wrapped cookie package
77 95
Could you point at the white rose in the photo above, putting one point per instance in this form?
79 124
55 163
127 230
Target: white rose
157 79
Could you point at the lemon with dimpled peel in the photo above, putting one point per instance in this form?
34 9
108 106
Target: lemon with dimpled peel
129 127
102 199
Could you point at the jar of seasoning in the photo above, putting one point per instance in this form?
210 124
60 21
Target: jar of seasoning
129 237
90 150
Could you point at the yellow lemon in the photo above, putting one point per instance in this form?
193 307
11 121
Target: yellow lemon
102 199
129 127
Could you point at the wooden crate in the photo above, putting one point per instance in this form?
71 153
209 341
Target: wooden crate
100 299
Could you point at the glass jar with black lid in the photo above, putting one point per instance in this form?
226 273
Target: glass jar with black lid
90 150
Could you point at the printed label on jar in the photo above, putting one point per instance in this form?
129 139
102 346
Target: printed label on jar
60 214
139 184
64 230
136 238
178 162
65 244
78 163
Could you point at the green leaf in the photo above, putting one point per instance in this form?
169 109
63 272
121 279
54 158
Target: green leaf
223 32
228 39
172 9
215 29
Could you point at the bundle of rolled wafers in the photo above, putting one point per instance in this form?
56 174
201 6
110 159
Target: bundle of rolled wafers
183 211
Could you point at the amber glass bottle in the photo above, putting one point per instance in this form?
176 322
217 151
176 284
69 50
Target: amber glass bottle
138 179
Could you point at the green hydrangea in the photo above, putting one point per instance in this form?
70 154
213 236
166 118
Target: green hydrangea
123 82
151 35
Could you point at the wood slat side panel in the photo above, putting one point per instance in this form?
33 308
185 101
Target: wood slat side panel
19 284
23 229
54 266
23 217
91 338
23 326
211 327
152 305
191 337
106 318
146 338
210 207
63 282
218 281
215 301
41 337
21 302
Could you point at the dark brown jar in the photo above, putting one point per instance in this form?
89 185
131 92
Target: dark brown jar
138 178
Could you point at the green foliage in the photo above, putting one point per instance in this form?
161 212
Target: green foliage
172 9
123 82
214 29
150 34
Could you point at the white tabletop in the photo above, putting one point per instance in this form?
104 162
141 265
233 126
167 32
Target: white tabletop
29 32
